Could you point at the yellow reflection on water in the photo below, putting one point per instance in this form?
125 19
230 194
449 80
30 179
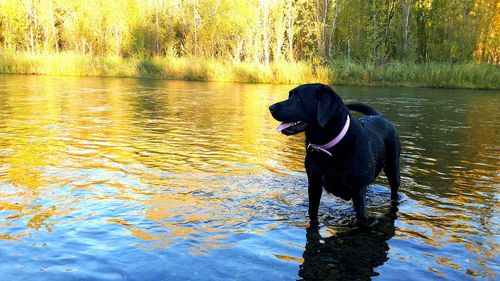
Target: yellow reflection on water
129 140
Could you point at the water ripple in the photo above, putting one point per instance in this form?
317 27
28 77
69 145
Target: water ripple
165 180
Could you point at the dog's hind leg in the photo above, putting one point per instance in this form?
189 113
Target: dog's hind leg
391 168
358 199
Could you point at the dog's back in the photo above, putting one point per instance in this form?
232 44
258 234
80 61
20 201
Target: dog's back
374 121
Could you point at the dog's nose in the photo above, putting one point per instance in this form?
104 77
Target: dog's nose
273 107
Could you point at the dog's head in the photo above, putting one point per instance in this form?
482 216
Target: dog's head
308 105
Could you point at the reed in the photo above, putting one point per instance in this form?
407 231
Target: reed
340 72
433 75
165 67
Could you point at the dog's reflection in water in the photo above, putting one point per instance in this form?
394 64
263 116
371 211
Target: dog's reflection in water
352 255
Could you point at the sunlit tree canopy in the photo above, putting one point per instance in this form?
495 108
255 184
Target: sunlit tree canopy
263 31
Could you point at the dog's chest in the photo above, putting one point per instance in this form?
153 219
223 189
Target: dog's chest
341 178
337 179
338 184
338 176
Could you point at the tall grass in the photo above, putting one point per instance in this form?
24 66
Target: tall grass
433 75
439 75
167 67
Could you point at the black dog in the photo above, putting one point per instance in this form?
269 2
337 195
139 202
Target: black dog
344 155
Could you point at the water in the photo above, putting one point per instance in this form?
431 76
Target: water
125 179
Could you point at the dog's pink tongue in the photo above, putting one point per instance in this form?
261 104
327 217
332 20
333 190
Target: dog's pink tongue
283 126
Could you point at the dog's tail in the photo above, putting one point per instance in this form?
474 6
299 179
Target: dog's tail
363 108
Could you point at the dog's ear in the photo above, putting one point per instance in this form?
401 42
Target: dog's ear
328 104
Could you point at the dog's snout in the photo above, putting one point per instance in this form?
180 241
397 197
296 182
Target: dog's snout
274 107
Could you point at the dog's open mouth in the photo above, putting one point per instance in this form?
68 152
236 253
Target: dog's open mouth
292 128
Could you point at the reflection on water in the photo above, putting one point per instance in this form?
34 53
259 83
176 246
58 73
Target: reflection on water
348 255
168 180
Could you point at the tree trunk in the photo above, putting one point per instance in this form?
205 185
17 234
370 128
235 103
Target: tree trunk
421 31
374 32
237 50
157 33
323 29
279 45
196 19
332 28
290 20
468 8
390 15
265 23
406 4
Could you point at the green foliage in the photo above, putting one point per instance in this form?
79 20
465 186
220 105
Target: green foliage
201 38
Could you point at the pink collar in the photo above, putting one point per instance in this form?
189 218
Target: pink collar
324 148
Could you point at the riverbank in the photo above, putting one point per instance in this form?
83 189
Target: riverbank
429 75
433 75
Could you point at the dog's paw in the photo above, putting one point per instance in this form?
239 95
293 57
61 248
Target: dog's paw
396 197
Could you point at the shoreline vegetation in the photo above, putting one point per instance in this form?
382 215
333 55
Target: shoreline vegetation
337 72
411 43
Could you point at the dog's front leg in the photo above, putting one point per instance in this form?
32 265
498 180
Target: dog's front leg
314 191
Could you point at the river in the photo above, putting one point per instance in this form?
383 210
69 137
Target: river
130 179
